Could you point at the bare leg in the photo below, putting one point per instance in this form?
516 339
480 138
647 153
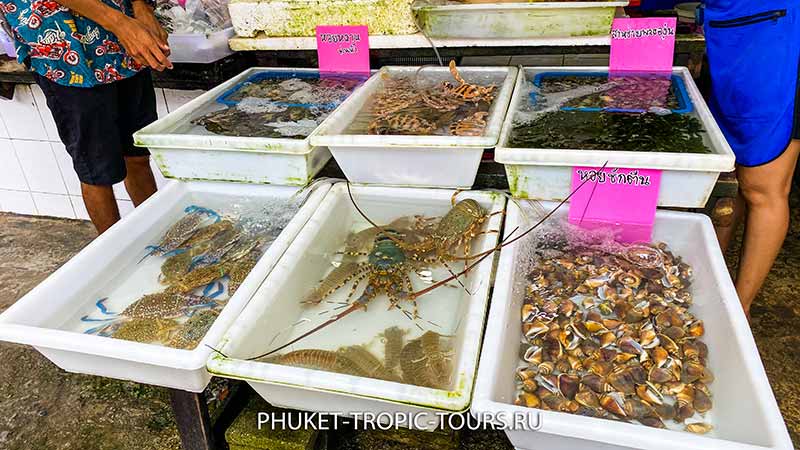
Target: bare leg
140 182
726 232
101 206
766 192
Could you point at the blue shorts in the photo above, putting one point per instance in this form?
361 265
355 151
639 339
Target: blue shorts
753 51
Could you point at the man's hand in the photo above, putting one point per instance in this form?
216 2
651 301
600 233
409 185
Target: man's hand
141 44
144 14
139 41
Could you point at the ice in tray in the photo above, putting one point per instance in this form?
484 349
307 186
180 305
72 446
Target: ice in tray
273 105
175 292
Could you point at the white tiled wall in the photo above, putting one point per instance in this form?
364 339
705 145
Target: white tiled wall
37 175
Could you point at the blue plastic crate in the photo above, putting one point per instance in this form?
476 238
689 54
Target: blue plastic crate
225 98
684 103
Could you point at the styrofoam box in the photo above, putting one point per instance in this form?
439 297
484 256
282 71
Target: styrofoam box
395 160
199 47
745 414
516 20
191 153
37 318
276 306
545 174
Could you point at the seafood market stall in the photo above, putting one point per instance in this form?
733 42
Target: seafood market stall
623 346
373 296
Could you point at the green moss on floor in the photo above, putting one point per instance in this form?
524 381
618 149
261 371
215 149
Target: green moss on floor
42 407
244 434
403 439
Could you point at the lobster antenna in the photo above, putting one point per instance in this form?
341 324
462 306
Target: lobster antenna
459 281
380 228
354 307
415 295
505 243
217 351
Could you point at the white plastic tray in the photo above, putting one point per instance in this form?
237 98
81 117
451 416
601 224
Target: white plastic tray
544 174
200 48
745 414
197 154
37 318
427 161
276 306
516 20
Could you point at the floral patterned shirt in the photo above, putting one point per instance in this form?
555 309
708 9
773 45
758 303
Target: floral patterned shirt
66 47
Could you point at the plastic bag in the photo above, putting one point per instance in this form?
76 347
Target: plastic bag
193 16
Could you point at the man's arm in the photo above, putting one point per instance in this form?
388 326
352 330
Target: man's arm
137 39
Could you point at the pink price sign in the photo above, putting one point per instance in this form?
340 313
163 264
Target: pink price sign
343 49
624 199
642 44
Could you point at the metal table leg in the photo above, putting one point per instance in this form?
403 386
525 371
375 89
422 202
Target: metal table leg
194 423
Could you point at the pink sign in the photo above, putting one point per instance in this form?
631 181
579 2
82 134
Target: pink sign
642 44
613 197
343 49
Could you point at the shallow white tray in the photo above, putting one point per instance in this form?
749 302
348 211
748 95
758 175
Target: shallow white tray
276 306
745 414
544 174
425 161
38 318
516 20
192 153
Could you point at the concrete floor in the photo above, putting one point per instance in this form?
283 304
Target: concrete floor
41 407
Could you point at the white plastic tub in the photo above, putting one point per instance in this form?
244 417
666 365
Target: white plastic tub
190 152
544 174
267 321
745 414
426 161
200 48
448 19
39 318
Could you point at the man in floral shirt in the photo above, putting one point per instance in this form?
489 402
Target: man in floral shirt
91 59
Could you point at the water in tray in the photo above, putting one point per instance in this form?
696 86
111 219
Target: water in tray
180 281
595 111
386 341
